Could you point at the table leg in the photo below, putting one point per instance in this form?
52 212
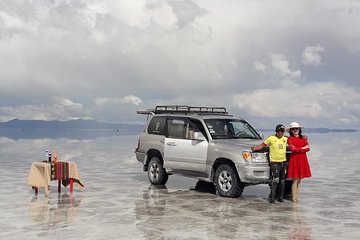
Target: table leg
59 186
36 190
71 195
71 184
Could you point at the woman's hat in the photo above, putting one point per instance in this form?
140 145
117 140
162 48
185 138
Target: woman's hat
293 125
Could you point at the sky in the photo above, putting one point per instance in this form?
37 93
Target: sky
268 62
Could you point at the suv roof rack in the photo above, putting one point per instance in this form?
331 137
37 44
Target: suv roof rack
184 109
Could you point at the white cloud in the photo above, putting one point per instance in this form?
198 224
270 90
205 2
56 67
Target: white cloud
10 21
131 99
66 103
334 102
192 51
277 70
259 66
58 109
280 65
311 55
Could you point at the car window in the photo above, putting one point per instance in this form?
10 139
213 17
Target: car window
230 128
157 126
180 128
199 126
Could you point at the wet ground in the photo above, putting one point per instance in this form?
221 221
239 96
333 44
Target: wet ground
119 203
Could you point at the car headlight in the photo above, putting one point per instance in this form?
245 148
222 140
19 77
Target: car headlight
257 157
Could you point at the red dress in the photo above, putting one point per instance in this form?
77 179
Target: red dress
298 164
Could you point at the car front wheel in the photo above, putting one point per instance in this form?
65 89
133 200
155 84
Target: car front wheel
156 173
227 182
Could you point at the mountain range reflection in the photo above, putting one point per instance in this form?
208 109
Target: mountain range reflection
67 133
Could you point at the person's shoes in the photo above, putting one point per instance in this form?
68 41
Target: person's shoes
281 200
288 197
271 200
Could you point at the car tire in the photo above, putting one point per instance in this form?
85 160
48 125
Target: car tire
156 173
227 182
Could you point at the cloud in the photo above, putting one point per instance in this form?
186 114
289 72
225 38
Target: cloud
327 101
168 51
11 22
280 65
275 68
186 11
58 109
259 66
131 99
311 55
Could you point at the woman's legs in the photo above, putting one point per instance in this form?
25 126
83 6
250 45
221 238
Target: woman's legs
295 189
298 189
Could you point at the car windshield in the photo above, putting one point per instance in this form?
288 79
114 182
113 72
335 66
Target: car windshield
230 128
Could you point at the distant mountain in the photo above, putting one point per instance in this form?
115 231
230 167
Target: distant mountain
72 124
318 130
74 129
88 129
93 124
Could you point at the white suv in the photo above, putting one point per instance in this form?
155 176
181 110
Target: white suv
201 142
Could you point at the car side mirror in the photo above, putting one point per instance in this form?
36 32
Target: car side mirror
199 136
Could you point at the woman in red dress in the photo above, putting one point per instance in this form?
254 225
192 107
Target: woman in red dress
299 167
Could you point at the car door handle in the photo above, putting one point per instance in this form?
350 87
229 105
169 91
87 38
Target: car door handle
171 143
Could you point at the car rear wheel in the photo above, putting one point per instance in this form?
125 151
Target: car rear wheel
156 173
227 182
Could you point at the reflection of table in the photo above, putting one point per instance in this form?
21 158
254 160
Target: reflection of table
40 176
46 211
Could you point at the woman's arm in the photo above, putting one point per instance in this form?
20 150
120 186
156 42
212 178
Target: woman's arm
303 149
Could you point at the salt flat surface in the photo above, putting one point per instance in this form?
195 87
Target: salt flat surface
118 202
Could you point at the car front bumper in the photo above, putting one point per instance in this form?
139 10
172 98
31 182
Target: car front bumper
254 173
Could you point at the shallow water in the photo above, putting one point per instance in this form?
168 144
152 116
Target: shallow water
119 203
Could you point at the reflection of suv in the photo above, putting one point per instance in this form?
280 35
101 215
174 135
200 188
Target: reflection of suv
201 142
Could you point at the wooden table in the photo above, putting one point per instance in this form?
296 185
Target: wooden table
40 176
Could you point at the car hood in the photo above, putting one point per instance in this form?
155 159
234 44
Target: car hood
243 143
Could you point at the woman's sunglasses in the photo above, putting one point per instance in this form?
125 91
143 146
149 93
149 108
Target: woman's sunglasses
294 129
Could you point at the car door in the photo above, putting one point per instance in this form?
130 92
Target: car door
183 149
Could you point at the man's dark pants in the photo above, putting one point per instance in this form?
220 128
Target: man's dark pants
277 180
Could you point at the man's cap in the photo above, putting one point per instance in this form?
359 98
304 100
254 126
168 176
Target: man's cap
280 127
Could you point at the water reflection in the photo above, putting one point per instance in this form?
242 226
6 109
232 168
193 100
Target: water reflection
299 229
63 212
118 202
149 212
163 213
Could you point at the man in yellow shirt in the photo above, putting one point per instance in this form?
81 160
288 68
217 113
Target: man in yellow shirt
277 161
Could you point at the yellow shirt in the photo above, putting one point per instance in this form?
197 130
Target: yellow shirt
277 148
